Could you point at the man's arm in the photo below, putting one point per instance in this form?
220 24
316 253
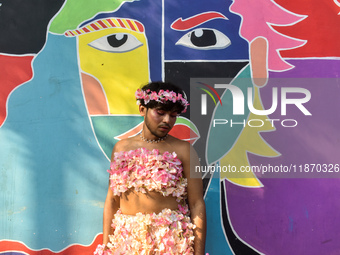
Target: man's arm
195 198
111 206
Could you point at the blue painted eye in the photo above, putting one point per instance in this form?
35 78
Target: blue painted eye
204 39
116 43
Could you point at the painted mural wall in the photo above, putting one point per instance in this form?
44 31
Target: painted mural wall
270 140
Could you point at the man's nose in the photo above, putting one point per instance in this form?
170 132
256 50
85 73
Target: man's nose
166 118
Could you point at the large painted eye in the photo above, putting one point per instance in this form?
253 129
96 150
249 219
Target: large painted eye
204 39
116 43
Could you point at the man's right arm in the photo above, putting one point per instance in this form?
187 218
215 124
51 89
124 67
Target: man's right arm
111 206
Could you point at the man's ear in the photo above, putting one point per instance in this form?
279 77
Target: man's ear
142 110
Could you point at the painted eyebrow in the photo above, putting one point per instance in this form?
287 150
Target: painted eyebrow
196 20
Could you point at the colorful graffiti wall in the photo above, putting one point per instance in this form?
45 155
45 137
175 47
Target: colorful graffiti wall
68 73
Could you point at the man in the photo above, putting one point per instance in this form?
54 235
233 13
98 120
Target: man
154 205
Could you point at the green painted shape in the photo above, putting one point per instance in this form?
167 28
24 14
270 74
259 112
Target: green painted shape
187 122
75 12
222 137
109 126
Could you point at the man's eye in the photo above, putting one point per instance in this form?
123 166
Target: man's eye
204 39
116 43
160 112
174 114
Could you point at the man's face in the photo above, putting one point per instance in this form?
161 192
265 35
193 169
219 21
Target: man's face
159 121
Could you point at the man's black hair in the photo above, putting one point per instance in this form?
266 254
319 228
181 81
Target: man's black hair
168 105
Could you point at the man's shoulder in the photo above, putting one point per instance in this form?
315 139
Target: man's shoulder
121 145
178 142
181 146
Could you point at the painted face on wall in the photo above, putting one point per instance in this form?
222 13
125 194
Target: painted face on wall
114 52
201 39
202 31
119 52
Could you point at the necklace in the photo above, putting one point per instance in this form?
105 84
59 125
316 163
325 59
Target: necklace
153 141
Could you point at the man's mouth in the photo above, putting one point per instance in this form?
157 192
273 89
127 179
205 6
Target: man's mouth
164 127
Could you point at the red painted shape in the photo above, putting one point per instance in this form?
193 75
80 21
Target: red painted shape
140 26
131 25
14 70
94 26
121 23
102 24
320 28
194 21
111 22
8 245
184 132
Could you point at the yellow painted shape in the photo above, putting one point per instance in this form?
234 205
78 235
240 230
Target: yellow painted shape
250 141
120 74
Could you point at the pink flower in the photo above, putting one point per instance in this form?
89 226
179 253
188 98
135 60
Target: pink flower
162 97
143 170
153 96
100 250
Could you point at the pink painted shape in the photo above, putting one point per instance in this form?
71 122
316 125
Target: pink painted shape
94 95
257 19
258 57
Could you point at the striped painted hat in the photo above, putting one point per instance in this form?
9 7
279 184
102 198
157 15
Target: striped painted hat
100 24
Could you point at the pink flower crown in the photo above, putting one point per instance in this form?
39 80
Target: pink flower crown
161 97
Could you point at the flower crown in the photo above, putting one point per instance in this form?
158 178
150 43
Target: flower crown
161 97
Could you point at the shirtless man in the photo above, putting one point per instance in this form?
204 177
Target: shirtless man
151 181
